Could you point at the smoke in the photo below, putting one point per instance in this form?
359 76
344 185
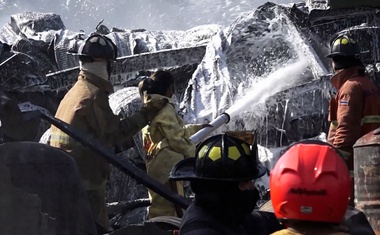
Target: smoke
130 14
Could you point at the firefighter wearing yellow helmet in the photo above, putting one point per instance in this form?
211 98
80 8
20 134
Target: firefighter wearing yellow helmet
221 175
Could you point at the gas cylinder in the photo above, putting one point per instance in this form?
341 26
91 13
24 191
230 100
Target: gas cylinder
367 177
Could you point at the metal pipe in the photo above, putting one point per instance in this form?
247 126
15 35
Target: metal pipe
224 118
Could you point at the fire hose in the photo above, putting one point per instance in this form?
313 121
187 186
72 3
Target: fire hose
124 165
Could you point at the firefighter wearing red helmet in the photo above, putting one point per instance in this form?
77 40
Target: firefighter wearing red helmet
310 188
86 108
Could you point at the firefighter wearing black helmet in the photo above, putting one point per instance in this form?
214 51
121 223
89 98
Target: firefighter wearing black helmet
85 107
221 176
355 110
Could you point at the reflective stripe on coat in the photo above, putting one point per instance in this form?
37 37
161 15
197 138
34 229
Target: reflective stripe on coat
316 232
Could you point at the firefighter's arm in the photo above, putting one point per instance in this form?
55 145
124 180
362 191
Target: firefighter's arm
146 114
110 126
349 115
191 129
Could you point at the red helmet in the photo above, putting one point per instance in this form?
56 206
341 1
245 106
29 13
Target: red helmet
310 182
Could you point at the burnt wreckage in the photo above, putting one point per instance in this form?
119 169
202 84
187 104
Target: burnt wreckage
36 71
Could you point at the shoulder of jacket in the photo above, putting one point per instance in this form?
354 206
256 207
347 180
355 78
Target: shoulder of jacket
80 92
165 115
351 85
157 97
85 83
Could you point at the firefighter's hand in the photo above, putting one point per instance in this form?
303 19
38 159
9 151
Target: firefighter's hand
152 108
207 125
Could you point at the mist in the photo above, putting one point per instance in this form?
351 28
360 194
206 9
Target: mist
131 14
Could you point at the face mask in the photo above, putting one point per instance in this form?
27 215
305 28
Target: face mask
248 200
242 205
230 205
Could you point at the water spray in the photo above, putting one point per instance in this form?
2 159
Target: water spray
224 118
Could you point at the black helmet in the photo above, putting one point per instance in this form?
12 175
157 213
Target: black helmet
222 158
98 46
344 46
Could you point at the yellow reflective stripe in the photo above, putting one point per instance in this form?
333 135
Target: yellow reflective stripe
365 120
60 138
370 119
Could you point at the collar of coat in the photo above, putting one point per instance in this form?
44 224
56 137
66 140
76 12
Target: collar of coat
154 98
96 81
343 75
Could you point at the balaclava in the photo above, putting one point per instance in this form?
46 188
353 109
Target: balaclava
344 62
98 68
225 200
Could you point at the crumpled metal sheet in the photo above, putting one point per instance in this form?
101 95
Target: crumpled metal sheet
35 49
64 42
7 35
125 101
35 26
19 72
30 23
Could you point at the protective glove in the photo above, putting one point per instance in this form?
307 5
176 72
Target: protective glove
152 108
206 125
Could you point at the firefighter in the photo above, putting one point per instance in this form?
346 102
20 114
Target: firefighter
310 188
86 107
166 139
355 110
222 177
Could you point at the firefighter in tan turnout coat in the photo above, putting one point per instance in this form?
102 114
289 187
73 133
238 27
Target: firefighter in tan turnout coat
86 108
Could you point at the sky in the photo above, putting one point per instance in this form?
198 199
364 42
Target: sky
135 14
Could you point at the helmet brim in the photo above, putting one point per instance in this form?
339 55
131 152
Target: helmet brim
335 54
331 55
184 170
74 53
